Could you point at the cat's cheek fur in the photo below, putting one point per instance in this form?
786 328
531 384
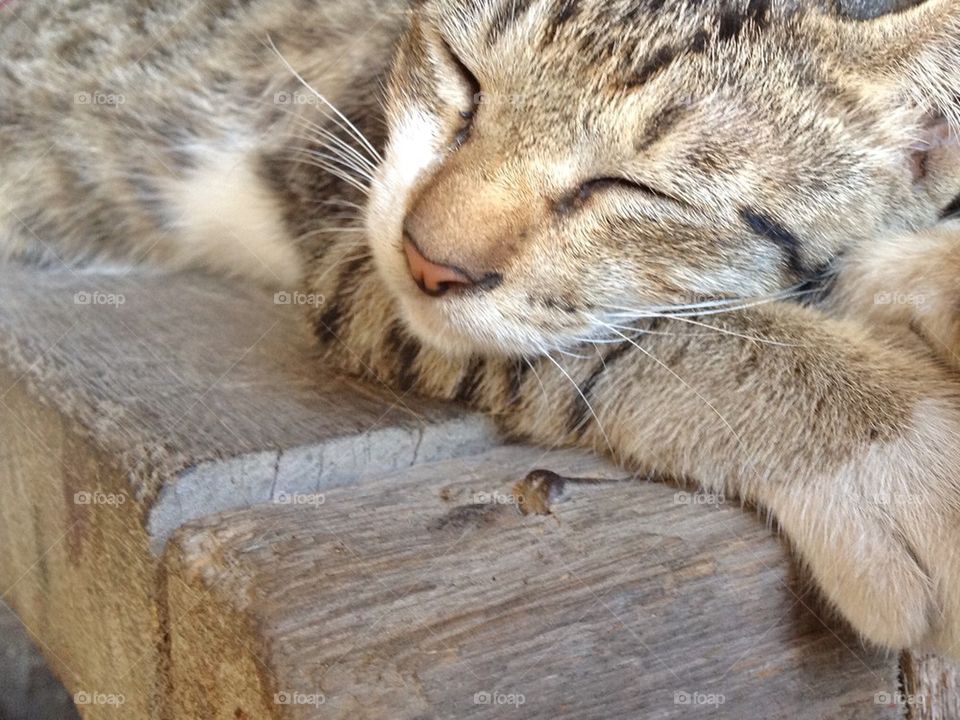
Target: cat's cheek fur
411 152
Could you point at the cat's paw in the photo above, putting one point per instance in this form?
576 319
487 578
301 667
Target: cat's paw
882 537
909 283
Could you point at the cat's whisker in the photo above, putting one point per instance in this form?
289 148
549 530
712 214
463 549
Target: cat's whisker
613 340
724 331
337 173
328 229
315 145
347 257
583 397
347 125
357 172
318 132
715 307
569 354
334 157
341 202
321 131
332 231
687 385
324 138
533 369
623 317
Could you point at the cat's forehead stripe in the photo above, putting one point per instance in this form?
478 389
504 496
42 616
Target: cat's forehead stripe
659 126
656 64
563 14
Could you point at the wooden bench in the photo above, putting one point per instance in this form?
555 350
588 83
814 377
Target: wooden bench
199 521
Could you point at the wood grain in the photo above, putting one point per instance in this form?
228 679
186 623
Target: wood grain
407 598
118 421
185 370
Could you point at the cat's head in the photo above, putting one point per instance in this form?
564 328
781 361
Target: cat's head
552 162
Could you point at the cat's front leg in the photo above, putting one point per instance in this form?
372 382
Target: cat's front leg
852 445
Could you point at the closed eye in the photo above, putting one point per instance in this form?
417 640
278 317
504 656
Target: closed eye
602 184
469 111
596 185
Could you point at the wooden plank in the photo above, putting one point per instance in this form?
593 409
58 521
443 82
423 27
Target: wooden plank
931 688
188 398
78 573
120 421
428 595
168 373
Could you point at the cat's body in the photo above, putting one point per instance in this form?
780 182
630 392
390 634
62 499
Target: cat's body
556 171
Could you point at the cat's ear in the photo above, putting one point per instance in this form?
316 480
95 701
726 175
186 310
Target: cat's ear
916 52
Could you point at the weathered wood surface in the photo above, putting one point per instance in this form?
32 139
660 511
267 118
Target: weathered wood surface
121 420
933 687
170 374
79 575
428 595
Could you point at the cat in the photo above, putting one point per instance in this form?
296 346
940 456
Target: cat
713 240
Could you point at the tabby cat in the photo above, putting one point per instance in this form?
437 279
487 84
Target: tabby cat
712 239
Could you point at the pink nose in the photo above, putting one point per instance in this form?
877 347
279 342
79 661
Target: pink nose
434 279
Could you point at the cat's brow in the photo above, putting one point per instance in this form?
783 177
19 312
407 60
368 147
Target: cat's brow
659 61
733 23
659 126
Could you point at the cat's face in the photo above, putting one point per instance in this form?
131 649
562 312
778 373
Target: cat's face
569 159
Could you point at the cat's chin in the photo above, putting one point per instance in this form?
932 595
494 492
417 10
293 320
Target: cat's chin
461 329
435 325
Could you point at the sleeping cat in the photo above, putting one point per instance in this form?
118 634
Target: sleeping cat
711 239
